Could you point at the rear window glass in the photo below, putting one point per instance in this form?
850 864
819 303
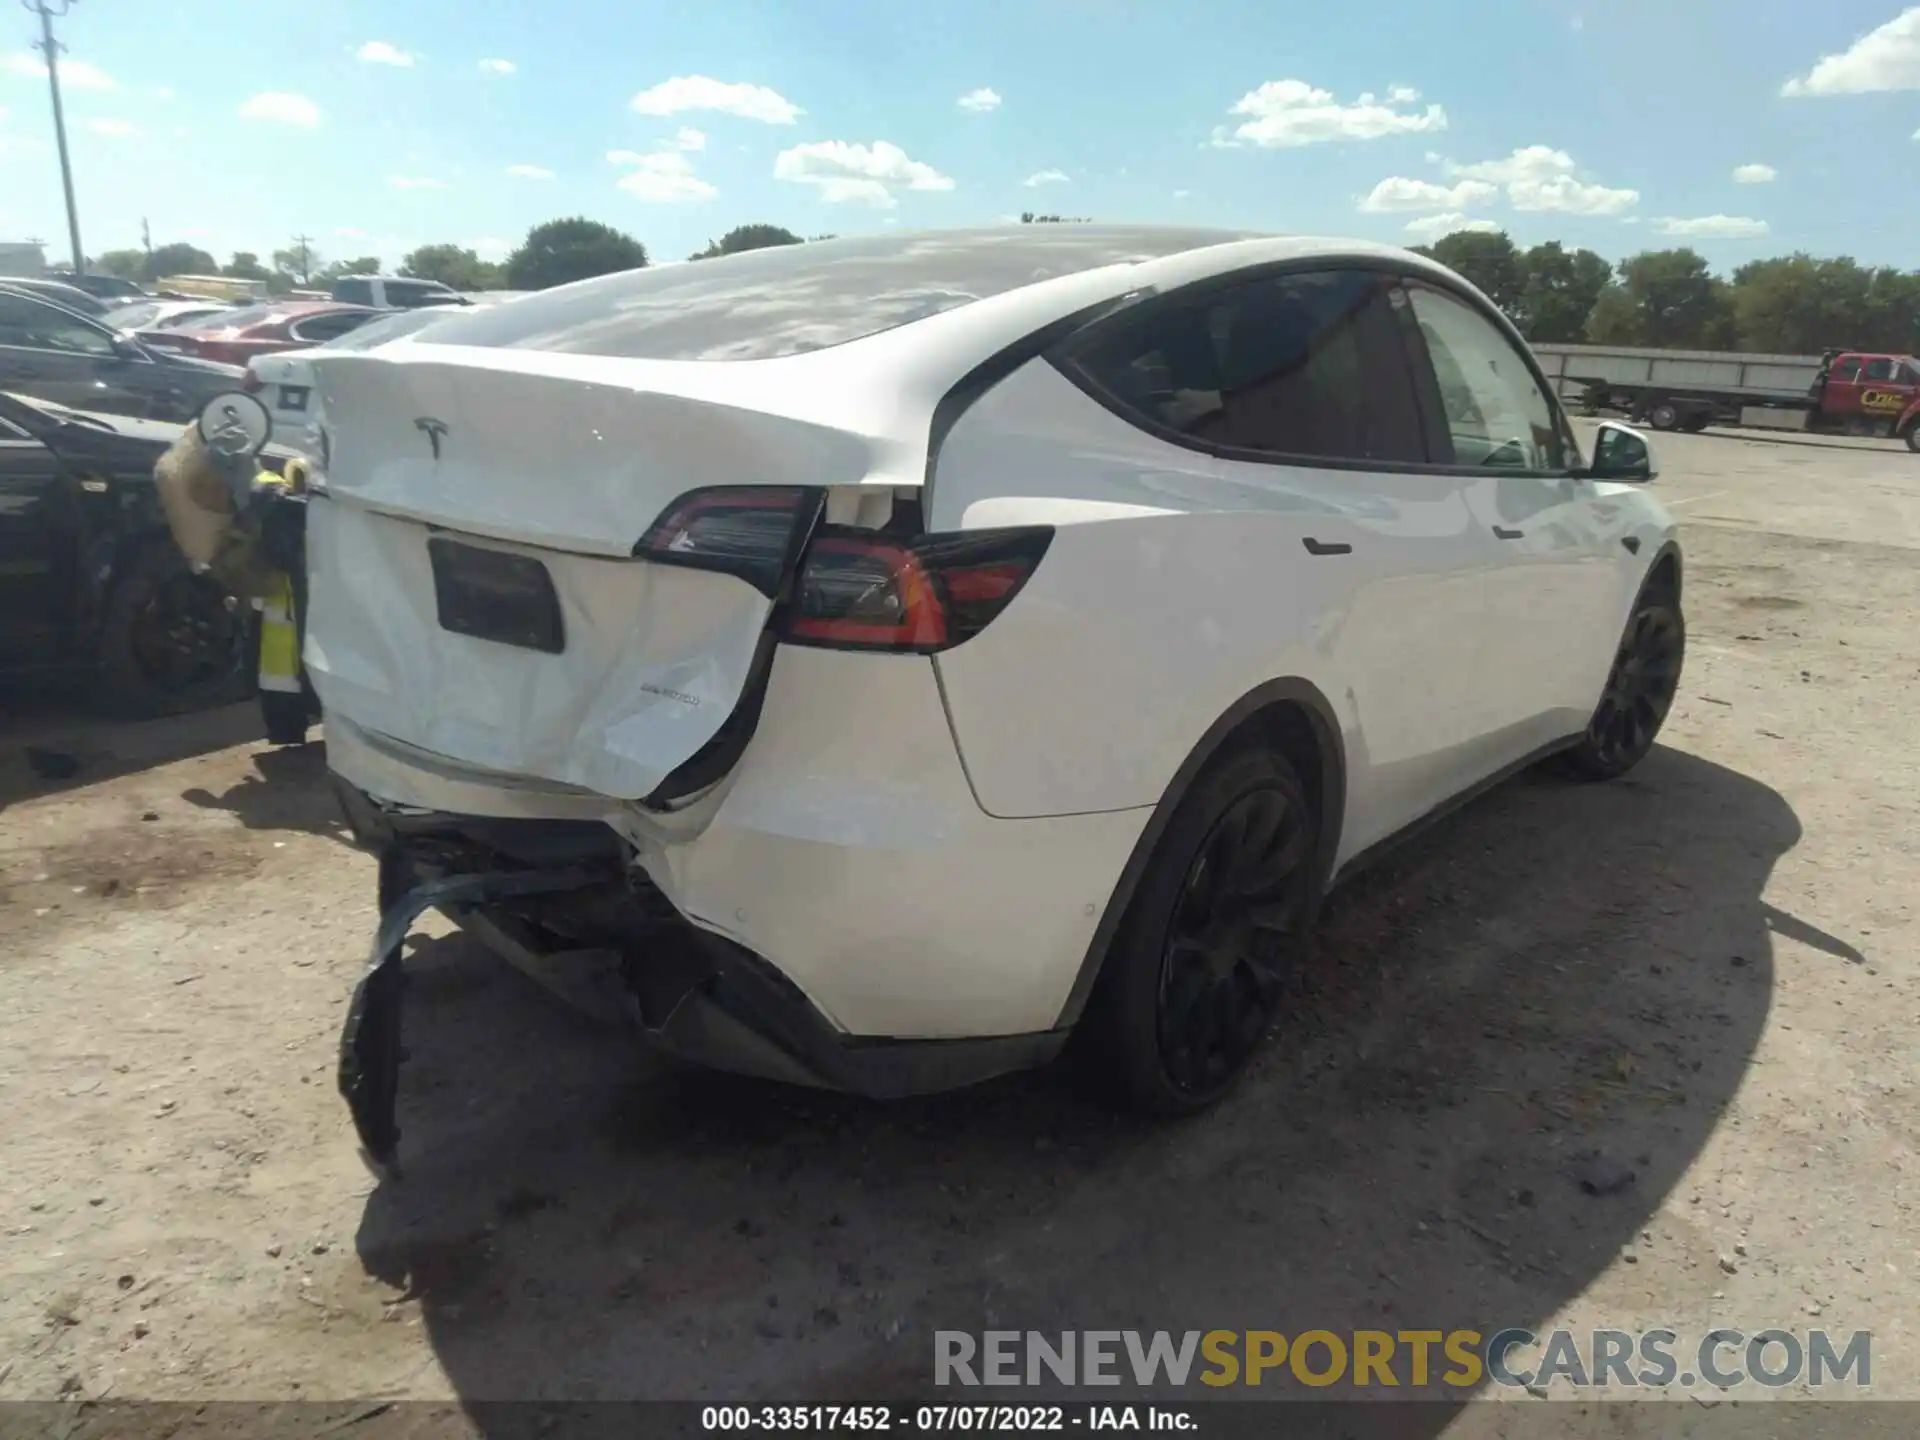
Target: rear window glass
229 319
793 298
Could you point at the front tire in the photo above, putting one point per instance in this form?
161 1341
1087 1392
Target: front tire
1913 437
1193 977
1640 688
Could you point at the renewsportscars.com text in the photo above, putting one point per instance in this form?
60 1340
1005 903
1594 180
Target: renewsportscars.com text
1607 1359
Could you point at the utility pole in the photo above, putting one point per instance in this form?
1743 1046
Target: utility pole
301 242
146 237
51 49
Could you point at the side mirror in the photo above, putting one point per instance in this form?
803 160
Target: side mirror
126 347
1622 453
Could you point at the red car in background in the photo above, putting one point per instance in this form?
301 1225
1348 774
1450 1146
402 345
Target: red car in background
235 336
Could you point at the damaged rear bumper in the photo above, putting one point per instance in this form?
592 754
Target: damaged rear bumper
692 994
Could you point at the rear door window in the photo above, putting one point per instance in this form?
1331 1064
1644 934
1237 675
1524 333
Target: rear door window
354 292
321 328
1308 365
1878 368
31 325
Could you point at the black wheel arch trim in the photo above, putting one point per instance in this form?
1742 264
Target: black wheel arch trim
1332 802
1669 549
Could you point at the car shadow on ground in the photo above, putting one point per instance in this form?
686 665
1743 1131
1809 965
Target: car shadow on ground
288 791
51 742
1515 1038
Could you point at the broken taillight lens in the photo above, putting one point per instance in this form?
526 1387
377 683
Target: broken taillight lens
748 531
862 590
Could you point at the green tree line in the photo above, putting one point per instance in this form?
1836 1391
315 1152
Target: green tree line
1794 304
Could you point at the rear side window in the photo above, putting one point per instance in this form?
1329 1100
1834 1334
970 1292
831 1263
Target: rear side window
412 292
1309 365
354 292
789 299
323 328
1879 368
1496 413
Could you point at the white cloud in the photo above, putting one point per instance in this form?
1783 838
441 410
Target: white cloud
529 172
1883 59
498 67
74 74
415 182
687 138
1755 175
491 248
980 101
1181 194
1283 114
165 92
347 232
1046 177
280 107
701 92
379 52
867 174
1397 192
1433 227
665 177
112 129
1538 177
1713 227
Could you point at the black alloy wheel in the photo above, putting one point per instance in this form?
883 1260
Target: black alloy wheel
171 640
1640 689
1231 939
1222 913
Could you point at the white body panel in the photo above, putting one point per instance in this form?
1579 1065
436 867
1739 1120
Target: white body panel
926 846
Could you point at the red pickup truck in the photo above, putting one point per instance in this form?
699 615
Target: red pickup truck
1866 394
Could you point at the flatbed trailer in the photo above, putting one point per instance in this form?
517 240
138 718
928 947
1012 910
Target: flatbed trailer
1842 391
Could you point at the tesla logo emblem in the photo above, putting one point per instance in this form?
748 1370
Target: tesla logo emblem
433 429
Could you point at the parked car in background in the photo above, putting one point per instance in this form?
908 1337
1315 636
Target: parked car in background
234 337
162 314
90 579
78 361
394 292
78 301
102 287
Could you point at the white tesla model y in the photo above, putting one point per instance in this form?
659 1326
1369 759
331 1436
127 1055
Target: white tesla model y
902 651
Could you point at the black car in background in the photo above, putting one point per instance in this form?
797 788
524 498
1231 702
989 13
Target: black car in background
109 288
91 582
81 302
57 354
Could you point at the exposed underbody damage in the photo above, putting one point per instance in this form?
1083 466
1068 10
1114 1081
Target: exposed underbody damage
565 903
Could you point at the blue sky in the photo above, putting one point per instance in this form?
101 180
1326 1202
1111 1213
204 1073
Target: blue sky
374 127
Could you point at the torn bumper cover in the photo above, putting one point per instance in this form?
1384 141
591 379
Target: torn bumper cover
370 1041
697 996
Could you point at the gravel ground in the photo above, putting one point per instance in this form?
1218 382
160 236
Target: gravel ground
1704 974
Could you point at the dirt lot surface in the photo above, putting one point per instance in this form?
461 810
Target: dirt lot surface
1705 973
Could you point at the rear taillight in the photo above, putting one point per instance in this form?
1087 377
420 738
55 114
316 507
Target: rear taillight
251 383
751 532
863 590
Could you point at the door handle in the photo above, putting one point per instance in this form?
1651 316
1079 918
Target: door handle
1335 547
1506 534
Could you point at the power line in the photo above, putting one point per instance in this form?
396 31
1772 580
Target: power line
301 244
47 10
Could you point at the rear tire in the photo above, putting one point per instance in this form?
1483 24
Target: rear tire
1193 976
1663 416
171 641
1639 692
1913 438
